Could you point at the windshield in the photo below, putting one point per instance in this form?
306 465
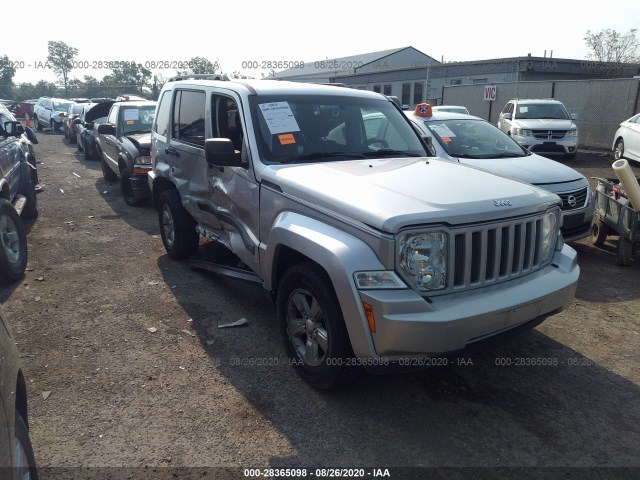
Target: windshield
315 128
61 106
77 109
541 110
473 139
138 119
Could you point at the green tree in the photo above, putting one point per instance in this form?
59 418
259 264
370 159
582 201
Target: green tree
201 65
61 58
7 71
611 46
129 77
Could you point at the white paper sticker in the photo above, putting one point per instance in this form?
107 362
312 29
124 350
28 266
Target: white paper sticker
523 109
131 114
442 130
279 117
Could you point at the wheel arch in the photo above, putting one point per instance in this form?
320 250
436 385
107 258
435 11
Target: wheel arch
295 238
160 184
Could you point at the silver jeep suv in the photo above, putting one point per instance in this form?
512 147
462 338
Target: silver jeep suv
541 126
375 253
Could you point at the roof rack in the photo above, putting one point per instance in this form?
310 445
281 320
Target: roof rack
199 76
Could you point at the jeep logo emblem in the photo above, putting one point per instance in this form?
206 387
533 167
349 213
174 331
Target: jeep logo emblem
502 203
571 200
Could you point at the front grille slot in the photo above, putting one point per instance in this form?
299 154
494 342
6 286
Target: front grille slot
549 134
484 255
577 197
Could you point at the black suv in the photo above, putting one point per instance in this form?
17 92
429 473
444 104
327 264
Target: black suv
122 146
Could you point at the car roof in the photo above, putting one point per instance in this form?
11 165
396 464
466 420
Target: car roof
277 87
536 100
136 103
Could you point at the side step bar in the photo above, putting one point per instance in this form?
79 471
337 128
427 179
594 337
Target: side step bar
225 270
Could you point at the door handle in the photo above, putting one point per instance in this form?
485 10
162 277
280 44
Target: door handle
171 151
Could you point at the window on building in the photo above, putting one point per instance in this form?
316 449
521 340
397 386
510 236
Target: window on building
455 81
406 93
480 80
376 88
387 89
417 92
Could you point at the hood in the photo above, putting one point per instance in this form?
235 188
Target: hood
97 111
142 141
532 169
544 123
390 194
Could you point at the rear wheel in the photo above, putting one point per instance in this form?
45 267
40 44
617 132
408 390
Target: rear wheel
313 328
618 150
28 189
177 227
13 243
85 150
108 174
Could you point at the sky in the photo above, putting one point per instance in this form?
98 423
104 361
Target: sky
239 35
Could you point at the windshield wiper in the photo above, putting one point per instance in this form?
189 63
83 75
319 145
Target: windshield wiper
387 152
310 157
508 155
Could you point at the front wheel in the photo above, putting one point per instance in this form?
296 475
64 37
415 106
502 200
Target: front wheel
618 150
37 122
177 227
313 328
624 253
25 459
127 190
13 243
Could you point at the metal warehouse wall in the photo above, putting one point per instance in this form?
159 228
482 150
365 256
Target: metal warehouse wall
600 104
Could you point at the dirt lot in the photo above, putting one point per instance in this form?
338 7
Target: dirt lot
193 395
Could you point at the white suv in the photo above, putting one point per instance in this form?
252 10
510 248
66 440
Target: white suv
541 126
49 112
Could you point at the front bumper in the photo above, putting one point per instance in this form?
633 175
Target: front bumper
565 146
407 325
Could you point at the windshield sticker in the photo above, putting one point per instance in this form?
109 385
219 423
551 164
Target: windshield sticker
286 139
131 114
130 122
279 117
523 109
442 131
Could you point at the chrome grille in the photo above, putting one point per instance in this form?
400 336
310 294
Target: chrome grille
579 199
487 254
549 134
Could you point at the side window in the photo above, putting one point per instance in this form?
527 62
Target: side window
225 120
113 115
161 125
188 117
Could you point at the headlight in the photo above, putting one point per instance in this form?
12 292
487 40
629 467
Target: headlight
377 280
572 133
550 230
522 132
143 160
423 259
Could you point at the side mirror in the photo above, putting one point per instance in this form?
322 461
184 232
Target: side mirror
506 116
31 135
574 116
220 152
106 129
77 121
14 129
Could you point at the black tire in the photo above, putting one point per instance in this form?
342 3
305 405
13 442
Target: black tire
108 174
177 227
79 144
13 244
127 191
618 150
599 232
28 189
624 253
85 150
319 347
28 469
37 122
